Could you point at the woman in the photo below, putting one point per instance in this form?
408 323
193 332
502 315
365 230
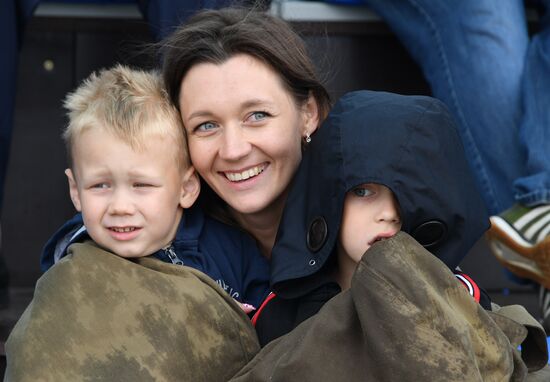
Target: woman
248 96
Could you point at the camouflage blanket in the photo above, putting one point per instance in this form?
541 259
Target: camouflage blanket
405 318
98 317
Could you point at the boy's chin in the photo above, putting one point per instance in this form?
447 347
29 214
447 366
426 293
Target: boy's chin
126 253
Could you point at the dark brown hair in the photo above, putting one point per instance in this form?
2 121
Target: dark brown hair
214 36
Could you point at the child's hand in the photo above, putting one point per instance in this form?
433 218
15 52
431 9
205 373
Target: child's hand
247 308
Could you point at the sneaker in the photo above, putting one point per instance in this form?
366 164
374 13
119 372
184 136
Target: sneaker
520 240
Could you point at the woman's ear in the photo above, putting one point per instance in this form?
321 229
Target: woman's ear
310 111
190 188
73 190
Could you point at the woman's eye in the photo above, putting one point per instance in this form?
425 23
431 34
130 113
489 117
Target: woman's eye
258 116
206 126
362 192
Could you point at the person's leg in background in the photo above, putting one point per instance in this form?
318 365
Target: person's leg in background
520 236
13 16
478 59
472 55
534 188
8 65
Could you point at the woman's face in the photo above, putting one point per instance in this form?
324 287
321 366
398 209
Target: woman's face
244 131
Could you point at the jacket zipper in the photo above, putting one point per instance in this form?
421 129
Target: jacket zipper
169 250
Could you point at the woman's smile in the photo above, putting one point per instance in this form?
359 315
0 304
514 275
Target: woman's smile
241 175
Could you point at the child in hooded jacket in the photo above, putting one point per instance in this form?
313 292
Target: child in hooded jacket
381 212
382 163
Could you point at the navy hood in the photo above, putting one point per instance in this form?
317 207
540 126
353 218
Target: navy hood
409 144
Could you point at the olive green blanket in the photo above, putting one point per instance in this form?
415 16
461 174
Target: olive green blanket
97 317
405 318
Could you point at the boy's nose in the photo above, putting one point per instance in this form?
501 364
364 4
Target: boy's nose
121 204
389 214
235 144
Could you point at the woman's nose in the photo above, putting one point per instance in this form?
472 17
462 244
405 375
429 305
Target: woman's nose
235 144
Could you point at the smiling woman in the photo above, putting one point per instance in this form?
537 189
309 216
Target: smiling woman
249 98
244 132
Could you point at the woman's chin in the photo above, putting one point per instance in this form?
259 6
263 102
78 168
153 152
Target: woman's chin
258 201
249 207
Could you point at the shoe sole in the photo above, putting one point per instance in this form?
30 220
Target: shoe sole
529 261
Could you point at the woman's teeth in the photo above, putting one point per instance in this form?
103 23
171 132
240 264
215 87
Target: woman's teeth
246 174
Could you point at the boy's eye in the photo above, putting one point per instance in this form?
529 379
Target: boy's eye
362 192
100 185
206 126
142 185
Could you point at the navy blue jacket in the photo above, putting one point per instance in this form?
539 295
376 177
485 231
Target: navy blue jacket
409 144
229 256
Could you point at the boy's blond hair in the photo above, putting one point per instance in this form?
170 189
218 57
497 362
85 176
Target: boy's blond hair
130 104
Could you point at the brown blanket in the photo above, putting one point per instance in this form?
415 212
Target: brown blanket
97 317
405 318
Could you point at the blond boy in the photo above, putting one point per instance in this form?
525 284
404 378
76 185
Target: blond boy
131 178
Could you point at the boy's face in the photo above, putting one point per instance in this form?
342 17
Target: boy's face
131 200
370 214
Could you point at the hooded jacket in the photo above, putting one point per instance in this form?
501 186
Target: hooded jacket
409 144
